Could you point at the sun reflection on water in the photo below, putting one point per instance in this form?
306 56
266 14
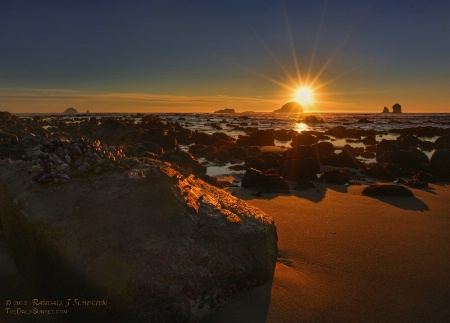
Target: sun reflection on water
300 127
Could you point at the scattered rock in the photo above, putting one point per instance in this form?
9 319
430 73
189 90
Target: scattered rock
369 140
184 162
386 190
440 163
443 142
303 139
364 120
312 119
295 169
335 176
304 184
268 182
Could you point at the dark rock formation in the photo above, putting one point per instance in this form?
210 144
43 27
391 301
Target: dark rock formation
184 162
70 111
158 247
271 160
284 135
302 168
225 111
408 160
440 163
256 163
364 120
369 140
443 142
304 184
257 138
323 149
268 182
291 107
335 176
303 139
111 130
386 190
396 108
385 110
384 172
313 119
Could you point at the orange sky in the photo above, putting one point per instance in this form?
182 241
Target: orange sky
202 56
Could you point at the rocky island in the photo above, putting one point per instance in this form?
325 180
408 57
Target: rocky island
290 107
70 111
396 108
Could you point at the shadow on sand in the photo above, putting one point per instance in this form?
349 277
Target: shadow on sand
403 202
318 193
251 306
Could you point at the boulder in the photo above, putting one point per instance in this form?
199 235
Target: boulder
323 148
299 152
406 159
184 162
255 163
295 169
364 120
440 163
386 190
257 138
271 160
111 130
313 119
156 248
443 142
369 140
335 176
284 135
381 171
254 178
385 110
304 184
303 139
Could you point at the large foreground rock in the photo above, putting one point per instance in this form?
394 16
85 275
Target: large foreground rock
157 247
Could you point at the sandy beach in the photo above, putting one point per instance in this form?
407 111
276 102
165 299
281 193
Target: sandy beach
345 257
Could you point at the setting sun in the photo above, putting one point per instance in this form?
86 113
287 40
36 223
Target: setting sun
304 95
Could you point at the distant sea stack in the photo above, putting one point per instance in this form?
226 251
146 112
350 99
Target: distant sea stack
225 111
291 107
396 108
70 111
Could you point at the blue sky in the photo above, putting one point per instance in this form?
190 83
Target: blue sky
205 55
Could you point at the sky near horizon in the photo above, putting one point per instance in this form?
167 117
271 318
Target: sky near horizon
202 55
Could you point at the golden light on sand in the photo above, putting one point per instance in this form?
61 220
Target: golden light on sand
304 95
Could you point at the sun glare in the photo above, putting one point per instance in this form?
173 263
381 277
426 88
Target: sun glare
304 95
